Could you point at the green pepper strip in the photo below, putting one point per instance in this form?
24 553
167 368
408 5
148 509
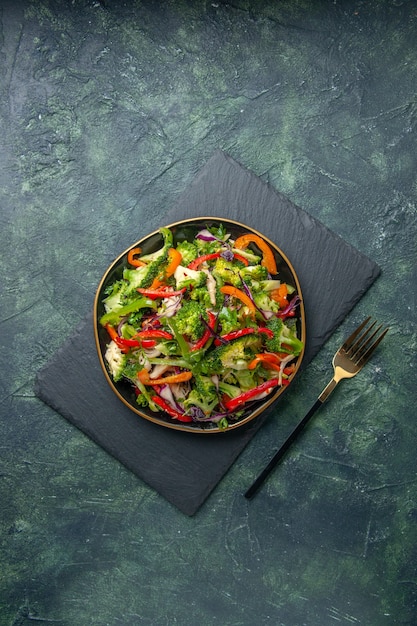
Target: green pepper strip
113 317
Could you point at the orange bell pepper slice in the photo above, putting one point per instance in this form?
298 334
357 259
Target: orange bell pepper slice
280 295
131 257
268 259
182 377
266 358
229 290
175 258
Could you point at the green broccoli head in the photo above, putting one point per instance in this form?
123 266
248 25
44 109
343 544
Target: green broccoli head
203 395
115 296
143 276
238 353
228 320
227 272
209 295
142 400
201 295
189 319
254 273
234 355
285 337
264 302
188 251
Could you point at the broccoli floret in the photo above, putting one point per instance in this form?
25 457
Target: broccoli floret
285 338
211 364
134 278
116 361
237 354
203 395
144 275
189 319
114 300
255 273
228 320
234 355
142 400
264 302
227 272
201 295
209 296
185 277
188 251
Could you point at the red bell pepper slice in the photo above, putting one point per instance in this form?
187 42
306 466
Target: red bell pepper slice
153 294
165 406
201 259
126 344
207 333
214 255
235 334
236 403
182 377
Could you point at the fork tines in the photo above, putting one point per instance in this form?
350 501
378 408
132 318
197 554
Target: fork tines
360 345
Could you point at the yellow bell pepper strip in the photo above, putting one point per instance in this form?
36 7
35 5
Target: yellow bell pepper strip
162 292
237 403
131 257
268 259
210 257
165 406
182 377
229 290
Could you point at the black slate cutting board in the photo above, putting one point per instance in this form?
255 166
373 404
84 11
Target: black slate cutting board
183 467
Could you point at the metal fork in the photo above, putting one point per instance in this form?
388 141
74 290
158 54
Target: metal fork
352 355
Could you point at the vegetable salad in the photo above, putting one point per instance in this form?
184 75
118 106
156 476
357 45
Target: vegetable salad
202 328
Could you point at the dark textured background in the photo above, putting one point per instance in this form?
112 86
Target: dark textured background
108 110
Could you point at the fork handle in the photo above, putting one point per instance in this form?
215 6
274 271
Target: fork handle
283 449
328 389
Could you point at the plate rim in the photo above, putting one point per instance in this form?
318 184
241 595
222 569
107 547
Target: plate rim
183 427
